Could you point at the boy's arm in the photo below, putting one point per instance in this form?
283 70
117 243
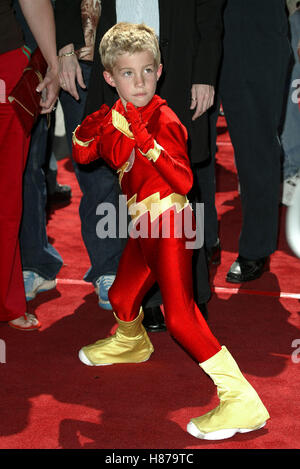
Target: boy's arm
100 136
168 155
85 137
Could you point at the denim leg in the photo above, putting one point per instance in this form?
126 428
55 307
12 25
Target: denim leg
50 165
290 137
99 184
37 253
51 174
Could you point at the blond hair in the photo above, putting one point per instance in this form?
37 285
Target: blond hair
127 38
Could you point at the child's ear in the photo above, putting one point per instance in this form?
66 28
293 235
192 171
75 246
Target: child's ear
109 78
159 72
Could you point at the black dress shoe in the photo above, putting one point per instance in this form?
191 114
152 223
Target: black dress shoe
154 320
244 270
213 254
61 194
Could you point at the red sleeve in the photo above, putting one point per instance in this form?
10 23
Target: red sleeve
97 137
85 137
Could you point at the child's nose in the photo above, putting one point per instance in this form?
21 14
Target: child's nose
139 79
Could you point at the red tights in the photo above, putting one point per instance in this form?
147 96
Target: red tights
167 262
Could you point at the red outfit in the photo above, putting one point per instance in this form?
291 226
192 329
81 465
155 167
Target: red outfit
153 165
14 148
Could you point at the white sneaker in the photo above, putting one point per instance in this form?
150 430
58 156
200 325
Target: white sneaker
34 283
288 189
102 285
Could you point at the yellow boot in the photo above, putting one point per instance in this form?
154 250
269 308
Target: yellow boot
129 344
240 409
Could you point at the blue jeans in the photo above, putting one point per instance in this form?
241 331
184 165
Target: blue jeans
290 137
37 253
99 184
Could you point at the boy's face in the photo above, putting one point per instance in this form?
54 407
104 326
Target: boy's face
134 76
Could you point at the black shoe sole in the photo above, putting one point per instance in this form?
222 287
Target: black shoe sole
155 328
243 279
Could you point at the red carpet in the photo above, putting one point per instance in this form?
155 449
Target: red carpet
49 400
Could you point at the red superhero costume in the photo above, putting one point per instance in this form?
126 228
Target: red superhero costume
148 147
146 182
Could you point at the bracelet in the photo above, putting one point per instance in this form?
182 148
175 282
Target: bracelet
67 54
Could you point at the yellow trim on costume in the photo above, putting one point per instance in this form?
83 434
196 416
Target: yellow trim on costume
122 170
120 123
76 141
155 205
153 153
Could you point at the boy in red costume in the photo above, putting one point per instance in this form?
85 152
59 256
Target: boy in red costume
142 139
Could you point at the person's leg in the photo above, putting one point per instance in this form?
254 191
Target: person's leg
172 268
51 175
290 138
206 218
130 343
99 184
56 193
240 408
14 147
252 95
100 189
257 155
205 181
290 134
134 278
37 254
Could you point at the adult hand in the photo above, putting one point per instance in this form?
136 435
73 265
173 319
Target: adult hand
40 18
70 71
49 89
202 98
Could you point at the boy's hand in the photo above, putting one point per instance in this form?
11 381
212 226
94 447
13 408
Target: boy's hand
90 127
141 135
101 113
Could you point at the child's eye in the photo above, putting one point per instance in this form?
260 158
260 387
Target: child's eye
128 73
149 70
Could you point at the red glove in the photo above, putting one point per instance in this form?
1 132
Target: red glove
91 125
86 136
143 139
